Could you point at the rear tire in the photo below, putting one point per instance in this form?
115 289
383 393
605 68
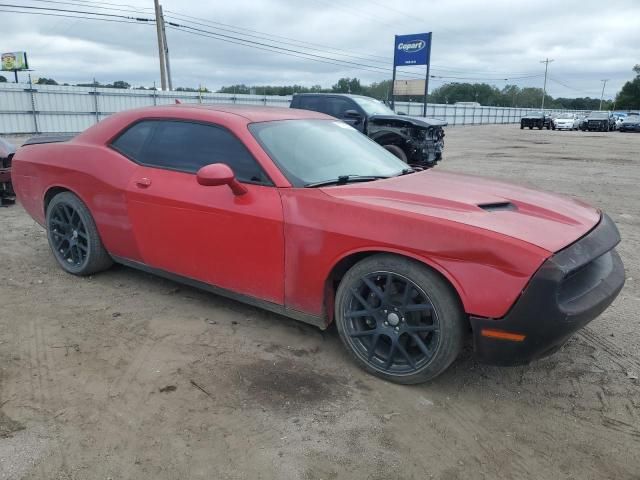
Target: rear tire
73 236
400 320
397 151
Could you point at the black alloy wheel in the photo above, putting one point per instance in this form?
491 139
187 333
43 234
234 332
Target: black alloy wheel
402 323
69 236
73 236
392 323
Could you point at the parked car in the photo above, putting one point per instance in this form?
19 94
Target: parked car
536 119
296 212
600 122
7 196
630 124
582 121
566 121
417 141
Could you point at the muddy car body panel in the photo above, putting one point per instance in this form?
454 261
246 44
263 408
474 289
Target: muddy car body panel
284 247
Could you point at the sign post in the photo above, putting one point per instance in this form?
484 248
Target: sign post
14 62
412 50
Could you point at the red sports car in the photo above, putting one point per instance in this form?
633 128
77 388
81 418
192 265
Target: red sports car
299 213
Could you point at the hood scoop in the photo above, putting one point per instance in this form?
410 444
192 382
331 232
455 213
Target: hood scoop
498 206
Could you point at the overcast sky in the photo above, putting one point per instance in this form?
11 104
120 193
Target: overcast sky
588 40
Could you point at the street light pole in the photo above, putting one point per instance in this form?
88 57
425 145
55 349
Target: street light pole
604 84
544 89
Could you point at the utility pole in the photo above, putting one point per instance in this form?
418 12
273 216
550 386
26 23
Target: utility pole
544 89
166 49
604 84
159 28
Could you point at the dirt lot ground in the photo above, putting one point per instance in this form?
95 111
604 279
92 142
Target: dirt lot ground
125 375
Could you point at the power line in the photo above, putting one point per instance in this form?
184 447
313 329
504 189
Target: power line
92 5
239 30
135 21
555 80
275 49
31 7
270 37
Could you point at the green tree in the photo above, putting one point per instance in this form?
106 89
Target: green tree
46 81
629 95
119 84
347 85
380 90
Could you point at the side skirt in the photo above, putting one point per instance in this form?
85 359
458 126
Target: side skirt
318 321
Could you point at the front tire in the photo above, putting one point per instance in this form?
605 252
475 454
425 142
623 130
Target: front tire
73 236
399 319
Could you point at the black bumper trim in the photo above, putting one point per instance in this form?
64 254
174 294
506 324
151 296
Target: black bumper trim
570 289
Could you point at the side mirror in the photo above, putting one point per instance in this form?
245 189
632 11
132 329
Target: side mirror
220 174
353 114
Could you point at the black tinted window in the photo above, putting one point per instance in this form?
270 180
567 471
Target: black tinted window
131 142
337 106
187 147
312 103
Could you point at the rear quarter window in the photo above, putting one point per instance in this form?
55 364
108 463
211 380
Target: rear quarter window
132 141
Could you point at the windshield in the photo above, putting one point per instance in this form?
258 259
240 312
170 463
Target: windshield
535 114
373 107
599 115
632 118
566 116
313 151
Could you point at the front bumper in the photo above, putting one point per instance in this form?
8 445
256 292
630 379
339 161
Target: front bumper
569 290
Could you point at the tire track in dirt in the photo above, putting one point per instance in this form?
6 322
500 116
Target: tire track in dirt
499 448
625 361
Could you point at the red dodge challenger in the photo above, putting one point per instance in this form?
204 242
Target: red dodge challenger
299 213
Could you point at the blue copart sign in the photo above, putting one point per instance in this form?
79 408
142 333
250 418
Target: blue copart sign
412 49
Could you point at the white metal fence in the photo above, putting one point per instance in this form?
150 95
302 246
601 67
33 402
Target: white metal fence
26 108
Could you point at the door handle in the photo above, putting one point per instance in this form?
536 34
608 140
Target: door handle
143 182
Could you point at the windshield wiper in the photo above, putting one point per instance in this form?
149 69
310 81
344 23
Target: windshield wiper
344 179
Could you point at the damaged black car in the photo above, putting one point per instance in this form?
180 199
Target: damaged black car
7 195
538 120
418 141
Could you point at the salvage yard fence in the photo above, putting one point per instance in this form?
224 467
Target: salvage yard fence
32 109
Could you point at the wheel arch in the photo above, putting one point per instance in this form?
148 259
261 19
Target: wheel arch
388 137
348 260
51 192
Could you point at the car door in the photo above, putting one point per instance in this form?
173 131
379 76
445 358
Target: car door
339 106
206 233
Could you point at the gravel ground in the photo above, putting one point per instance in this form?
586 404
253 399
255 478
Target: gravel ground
124 375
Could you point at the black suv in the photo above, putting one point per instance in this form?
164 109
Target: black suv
417 141
536 119
600 122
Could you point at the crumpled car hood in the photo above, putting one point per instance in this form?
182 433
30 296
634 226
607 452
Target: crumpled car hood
409 120
546 220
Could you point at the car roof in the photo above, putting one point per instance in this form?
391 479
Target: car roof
253 113
329 94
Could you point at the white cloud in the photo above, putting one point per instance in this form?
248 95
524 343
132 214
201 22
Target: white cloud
588 40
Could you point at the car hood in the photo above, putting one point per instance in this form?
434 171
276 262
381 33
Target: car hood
409 120
543 219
